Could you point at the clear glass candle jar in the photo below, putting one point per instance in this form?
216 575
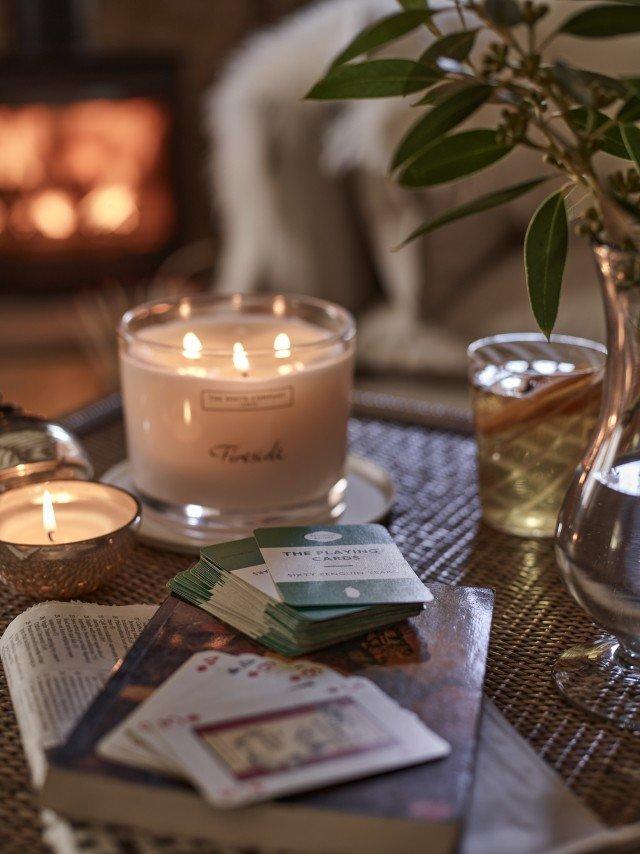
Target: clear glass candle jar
236 408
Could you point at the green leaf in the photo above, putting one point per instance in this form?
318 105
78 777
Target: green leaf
545 254
376 78
578 83
441 91
573 83
631 137
611 140
454 157
629 111
442 118
611 85
454 45
605 21
505 13
386 30
483 203
413 4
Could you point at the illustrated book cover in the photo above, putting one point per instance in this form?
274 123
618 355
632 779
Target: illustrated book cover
433 664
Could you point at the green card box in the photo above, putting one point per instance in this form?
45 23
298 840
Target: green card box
339 565
231 582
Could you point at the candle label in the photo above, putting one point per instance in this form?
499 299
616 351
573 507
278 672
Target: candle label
213 400
230 453
338 565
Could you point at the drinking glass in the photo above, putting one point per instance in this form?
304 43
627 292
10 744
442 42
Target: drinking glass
535 406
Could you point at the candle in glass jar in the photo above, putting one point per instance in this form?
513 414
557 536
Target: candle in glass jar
244 412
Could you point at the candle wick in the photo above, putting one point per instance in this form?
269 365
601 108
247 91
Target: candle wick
50 535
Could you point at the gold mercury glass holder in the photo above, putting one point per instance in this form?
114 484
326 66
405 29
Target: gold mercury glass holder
67 570
36 454
535 404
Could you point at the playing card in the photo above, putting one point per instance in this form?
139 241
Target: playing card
204 680
276 745
243 558
338 565
119 745
195 701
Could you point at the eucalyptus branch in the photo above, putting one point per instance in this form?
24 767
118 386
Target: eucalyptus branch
551 108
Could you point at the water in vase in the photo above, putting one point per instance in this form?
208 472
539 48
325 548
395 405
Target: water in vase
600 554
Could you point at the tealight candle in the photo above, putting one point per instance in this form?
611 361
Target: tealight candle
236 408
63 538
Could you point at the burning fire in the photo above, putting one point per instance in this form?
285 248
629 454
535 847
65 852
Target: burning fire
111 208
53 214
89 170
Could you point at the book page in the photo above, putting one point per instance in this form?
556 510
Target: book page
56 657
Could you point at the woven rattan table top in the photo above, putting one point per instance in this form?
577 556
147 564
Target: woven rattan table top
436 522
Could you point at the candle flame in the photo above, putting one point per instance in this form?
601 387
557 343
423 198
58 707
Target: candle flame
191 346
282 345
240 358
48 515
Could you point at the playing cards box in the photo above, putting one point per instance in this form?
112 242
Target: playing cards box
431 666
231 581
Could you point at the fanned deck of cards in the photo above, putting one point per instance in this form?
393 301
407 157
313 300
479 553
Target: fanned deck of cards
300 589
244 728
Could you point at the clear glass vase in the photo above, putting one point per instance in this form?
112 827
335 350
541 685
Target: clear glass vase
598 533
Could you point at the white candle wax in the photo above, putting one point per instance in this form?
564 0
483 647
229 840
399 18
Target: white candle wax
82 511
237 412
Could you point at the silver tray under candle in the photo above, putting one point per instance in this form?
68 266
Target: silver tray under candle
369 497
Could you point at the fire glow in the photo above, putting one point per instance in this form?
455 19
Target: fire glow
91 170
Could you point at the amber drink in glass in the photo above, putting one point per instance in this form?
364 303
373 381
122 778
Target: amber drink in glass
535 405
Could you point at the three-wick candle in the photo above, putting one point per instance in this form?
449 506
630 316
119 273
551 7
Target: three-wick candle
238 405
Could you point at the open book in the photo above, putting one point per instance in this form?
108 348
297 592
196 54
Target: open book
56 657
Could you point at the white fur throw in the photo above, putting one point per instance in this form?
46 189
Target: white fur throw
307 205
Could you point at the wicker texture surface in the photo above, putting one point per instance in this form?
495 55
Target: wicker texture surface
436 522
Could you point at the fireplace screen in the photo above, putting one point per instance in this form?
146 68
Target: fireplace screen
88 178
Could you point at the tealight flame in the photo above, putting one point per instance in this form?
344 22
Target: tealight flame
282 345
191 346
48 515
240 359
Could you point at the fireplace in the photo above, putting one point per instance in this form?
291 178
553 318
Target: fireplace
88 178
